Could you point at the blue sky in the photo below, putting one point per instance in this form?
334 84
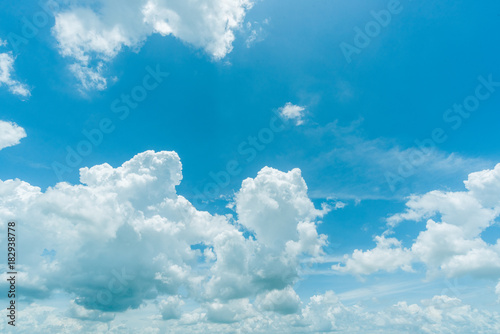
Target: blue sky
240 86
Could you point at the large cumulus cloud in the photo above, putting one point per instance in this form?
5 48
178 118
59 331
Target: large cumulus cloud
124 237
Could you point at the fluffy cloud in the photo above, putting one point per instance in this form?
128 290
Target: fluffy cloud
452 246
10 134
123 246
275 208
273 204
388 255
441 314
292 112
170 308
231 312
284 301
484 186
95 33
124 237
6 73
322 313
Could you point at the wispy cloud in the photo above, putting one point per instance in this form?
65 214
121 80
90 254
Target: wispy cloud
7 73
352 166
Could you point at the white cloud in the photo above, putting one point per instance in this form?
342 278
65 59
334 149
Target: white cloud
76 311
10 134
441 314
170 308
119 247
98 33
322 313
293 112
6 73
458 208
276 208
273 204
339 205
453 246
90 78
484 186
230 312
256 32
387 255
84 239
284 301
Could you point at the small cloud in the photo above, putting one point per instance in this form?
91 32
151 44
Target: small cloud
339 205
336 203
90 78
256 32
292 112
6 72
10 134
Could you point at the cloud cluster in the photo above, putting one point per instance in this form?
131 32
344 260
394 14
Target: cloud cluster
10 134
6 74
123 246
124 237
451 243
93 33
323 313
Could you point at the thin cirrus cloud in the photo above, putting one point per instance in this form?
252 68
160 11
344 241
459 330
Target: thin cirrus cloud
10 134
387 170
92 37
